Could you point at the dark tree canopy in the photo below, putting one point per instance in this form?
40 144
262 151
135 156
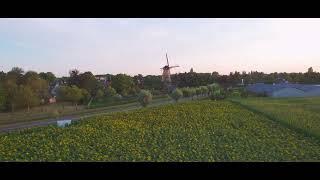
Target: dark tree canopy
123 84
48 76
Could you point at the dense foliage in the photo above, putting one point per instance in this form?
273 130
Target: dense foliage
176 94
41 84
144 97
194 131
72 94
123 84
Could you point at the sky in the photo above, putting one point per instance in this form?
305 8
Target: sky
138 46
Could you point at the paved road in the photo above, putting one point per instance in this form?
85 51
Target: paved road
39 123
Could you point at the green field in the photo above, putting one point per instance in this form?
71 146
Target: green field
301 114
200 130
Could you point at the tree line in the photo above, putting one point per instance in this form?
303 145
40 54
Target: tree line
19 89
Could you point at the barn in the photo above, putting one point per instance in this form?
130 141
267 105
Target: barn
285 89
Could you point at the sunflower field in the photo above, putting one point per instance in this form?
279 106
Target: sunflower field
201 130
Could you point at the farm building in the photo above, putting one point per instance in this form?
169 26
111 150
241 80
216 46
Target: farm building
285 89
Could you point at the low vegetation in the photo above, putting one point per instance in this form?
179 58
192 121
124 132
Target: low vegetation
302 114
201 130
176 94
144 97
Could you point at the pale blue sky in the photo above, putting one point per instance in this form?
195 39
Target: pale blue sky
135 46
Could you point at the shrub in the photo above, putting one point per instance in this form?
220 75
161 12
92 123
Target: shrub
117 96
204 90
192 92
198 91
235 93
99 95
55 114
186 92
176 94
85 96
218 94
155 92
213 87
110 92
144 97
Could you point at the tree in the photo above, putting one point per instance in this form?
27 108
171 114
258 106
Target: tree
85 96
70 94
204 90
176 94
11 88
2 76
310 70
2 98
144 97
74 77
99 94
138 80
25 97
198 91
186 92
192 92
62 93
48 76
17 70
213 87
15 75
122 83
87 81
110 92
39 86
217 93
152 82
74 94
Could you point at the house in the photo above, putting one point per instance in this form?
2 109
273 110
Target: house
285 89
104 79
52 100
53 88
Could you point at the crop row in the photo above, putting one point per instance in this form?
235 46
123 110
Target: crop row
194 131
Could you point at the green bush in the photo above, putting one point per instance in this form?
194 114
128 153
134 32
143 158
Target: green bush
204 90
144 97
176 94
213 87
218 94
235 93
55 114
110 92
155 92
117 96
186 92
193 92
198 91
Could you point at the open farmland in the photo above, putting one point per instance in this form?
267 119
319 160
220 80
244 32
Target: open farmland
302 114
192 131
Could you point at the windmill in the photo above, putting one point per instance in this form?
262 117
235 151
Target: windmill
166 79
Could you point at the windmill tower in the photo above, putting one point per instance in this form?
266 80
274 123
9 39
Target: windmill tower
166 79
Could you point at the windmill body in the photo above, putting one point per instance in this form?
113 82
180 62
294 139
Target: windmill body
166 76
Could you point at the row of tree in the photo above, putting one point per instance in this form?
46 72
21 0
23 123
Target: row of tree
193 79
24 90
